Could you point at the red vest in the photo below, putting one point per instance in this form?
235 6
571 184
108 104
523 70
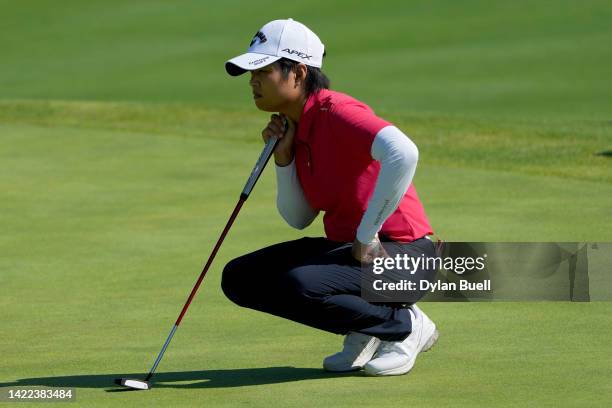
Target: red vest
338 174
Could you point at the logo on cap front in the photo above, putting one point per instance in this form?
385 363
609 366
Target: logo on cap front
258 36
259 61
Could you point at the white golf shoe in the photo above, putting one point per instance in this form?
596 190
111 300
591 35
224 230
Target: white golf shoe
358 350
398 357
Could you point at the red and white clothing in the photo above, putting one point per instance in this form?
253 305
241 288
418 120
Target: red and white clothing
354 166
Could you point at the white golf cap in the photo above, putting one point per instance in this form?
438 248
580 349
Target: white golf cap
275 40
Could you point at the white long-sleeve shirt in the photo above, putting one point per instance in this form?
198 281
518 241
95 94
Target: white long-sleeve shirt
398 157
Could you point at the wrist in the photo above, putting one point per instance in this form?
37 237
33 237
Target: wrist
365 239
283 159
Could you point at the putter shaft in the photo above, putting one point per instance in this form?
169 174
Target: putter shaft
257 170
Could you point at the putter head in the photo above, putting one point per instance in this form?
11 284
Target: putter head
134 384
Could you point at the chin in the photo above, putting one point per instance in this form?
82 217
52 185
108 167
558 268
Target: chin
263 106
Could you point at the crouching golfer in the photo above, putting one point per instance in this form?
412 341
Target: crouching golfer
335 155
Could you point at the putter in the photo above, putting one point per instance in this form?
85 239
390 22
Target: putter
257 170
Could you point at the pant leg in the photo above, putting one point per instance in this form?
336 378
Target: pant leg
325 293
252 280
323 290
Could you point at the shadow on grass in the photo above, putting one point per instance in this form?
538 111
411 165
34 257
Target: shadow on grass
187 379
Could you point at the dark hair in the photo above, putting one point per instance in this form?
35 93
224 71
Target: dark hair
315 78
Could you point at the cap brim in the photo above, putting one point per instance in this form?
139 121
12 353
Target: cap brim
248 62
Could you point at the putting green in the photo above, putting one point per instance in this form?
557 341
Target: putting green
109 210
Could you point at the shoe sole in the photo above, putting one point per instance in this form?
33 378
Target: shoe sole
408 366
361 360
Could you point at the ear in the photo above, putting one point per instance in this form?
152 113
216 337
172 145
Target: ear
301 71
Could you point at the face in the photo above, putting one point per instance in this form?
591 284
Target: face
271 92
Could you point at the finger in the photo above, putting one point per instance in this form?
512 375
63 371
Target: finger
286 122
276 129
276 119
278 122
266 134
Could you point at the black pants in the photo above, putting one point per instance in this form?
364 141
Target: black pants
316 282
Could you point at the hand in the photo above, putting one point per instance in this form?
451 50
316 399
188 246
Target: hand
283 154
365 253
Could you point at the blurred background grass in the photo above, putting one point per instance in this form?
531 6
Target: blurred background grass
525 58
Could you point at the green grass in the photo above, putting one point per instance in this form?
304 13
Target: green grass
108 211
124 146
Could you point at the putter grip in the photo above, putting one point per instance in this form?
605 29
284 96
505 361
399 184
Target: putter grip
259 166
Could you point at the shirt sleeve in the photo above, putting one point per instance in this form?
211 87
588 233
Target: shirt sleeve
290 200
398 157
